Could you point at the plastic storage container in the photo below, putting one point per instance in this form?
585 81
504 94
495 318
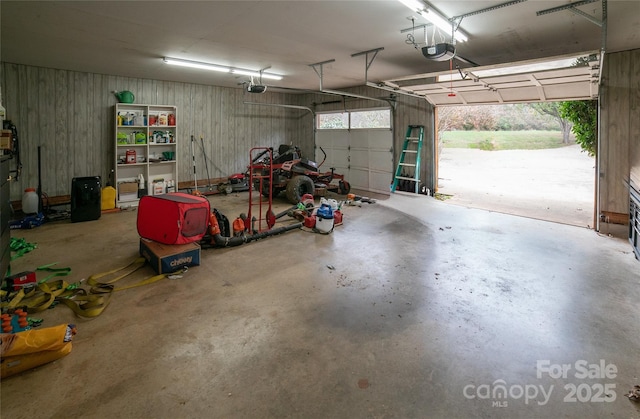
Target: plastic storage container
30 201
130 156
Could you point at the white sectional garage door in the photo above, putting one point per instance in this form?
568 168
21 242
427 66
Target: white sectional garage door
364 155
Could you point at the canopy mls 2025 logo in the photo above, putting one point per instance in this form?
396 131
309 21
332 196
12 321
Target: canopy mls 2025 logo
589 389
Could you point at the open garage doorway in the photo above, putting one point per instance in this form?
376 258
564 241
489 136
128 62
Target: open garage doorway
514 159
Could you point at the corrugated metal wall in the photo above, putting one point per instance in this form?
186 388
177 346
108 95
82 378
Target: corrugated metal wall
619 157
71 116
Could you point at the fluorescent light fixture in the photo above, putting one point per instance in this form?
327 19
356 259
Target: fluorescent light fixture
415 5
196 64
256 74
440 22
445 25
220 68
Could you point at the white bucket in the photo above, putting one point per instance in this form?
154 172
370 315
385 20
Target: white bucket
30 201
324 225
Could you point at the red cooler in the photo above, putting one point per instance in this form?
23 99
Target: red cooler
173 218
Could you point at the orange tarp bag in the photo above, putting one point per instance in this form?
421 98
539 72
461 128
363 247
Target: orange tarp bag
28 349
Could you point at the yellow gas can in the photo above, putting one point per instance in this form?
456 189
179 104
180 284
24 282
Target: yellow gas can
108 198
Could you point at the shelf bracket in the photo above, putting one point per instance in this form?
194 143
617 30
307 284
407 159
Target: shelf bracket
368 61
317 67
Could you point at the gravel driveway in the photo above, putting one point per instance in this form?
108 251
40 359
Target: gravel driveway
552 184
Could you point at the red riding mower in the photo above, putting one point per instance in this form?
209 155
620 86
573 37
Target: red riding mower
296 175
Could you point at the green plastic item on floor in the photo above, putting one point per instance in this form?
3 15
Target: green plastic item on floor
56 271
20 246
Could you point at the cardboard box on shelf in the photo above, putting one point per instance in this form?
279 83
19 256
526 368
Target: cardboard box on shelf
127 191
6 142
128 187
167 258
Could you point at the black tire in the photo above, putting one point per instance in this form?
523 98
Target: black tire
275 192
298 186
344 187
265 190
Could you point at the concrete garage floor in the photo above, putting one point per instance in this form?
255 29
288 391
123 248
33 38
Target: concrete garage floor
429 309
554 184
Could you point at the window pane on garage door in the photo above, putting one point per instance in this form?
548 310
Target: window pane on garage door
380 118
333 120
363 155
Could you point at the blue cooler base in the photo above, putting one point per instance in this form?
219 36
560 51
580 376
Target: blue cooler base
168 258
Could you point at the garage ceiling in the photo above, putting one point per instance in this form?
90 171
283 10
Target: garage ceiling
130 38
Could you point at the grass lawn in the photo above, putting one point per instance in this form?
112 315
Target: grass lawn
503 140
